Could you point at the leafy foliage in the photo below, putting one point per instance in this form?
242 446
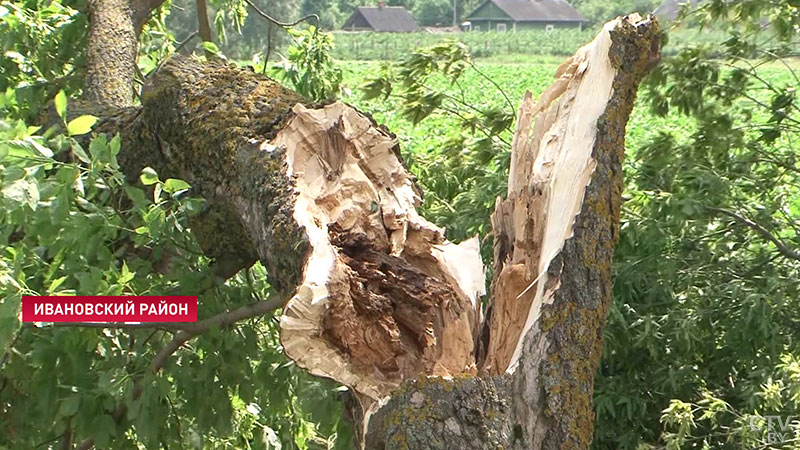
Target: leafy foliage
309 67
702 332
71 224
33 60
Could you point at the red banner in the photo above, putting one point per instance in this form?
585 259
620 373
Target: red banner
109 309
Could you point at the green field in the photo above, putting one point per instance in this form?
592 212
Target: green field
506 46
421 143
514 78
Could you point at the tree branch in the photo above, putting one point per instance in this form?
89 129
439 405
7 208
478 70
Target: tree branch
168 326
185 41
276 21
141 10
245 312
782 247
223 319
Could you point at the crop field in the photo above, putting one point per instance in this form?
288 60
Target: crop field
515 79
392 46
421 143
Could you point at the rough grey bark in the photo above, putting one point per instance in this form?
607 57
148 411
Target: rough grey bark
113 40
111 53
214 148
555 381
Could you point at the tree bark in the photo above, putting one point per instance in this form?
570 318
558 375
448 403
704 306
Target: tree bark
111 53
379 300
113 42
203 25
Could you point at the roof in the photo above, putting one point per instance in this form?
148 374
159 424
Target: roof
669 9
537 10
382 18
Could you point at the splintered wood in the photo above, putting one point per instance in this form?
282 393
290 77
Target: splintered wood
551 165
384 297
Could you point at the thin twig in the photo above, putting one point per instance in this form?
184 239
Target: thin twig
186 41
782 247
497 86
279 23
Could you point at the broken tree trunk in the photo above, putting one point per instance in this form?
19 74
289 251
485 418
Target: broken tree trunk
555 235
378 299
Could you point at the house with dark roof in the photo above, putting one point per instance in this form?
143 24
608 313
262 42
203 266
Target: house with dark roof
394 19
508 15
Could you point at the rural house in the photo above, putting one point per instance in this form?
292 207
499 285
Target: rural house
395 19
506 15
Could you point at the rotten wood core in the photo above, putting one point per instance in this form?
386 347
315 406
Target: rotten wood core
377 295
381 301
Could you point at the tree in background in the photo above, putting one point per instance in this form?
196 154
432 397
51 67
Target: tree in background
434 12
330 18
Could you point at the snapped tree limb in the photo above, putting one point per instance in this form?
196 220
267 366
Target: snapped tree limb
377 296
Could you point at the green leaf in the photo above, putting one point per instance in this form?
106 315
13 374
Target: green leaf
137 196
55 284
125 274
210 47
9 315
61 104
81 125
44 151
148 176
79 152
99 150
173 185
193 206
69 406
157 193
103 427
22 192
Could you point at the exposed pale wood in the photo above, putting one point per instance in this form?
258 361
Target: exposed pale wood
381 299
551 165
